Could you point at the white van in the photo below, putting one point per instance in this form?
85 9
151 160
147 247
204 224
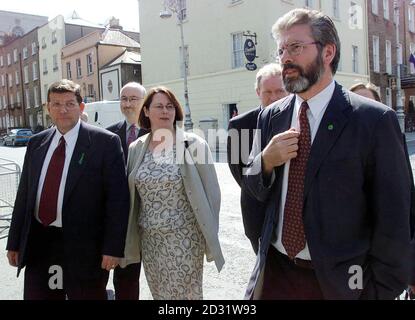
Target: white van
103 113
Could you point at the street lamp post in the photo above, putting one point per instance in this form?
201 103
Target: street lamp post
399 107
175 7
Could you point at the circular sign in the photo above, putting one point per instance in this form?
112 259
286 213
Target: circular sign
251 66
249 50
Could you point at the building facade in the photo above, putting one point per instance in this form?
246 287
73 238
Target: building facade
20 84
82 59
214 36
117 73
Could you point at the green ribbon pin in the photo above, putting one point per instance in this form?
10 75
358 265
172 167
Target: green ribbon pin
81 159
330 127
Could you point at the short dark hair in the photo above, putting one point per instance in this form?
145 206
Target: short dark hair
63 86
369 86
144 121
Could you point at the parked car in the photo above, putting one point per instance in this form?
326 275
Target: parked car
18 137
2 139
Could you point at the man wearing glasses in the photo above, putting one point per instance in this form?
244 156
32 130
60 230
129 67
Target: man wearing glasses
70 216
126 280
331 167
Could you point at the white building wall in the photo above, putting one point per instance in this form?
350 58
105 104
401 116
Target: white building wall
207 31
55 25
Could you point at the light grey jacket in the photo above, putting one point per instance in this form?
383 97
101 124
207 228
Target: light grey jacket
201 186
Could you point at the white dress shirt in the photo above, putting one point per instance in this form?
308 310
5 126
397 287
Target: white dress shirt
317 106
70 140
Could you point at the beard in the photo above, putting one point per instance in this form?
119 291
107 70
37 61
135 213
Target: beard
306 78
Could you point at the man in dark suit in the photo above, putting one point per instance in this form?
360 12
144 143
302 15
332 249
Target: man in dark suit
331 167
71 211
126 280
241 130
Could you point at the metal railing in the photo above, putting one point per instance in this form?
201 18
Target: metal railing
9 181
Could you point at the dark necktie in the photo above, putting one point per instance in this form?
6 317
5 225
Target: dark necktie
49 197
293 237
132 135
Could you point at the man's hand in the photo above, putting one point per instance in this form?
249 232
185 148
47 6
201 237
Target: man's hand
109 262
281 148
13 257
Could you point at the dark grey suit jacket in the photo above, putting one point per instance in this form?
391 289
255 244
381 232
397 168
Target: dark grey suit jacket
356 197
95 206
120 129
238 148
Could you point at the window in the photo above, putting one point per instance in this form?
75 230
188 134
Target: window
54 39
237 50
386 9
9 59
16 75
355 58
27 95
10 80
336 11
388 57
26 74
34 69
375 8
43 43
45 66
18 101
25 53
183 9
353 14
2 80
35 96
411 22
1 103
78 68
375 48
12 100
90 90
15 55
34 48
68 70
185 65
89 63
1 61
55 63
308 3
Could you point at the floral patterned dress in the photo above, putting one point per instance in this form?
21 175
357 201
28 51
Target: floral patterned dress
171 242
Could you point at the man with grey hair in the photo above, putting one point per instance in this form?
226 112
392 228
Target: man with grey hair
126 280
269 88
337 219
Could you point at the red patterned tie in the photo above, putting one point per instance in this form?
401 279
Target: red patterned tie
49 197
293 237
132 135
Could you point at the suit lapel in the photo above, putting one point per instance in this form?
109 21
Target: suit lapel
281 120
78 161
332 124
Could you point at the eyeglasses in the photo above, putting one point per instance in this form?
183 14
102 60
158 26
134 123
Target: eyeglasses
160 107
130 99
68 105
295 49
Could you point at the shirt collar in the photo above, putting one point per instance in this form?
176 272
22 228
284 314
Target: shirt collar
319 102
71 136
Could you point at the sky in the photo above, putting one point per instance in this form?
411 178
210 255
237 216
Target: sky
97 11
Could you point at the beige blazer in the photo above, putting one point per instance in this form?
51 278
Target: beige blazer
202 189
